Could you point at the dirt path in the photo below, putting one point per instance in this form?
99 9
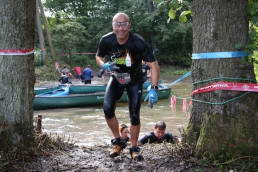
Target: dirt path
156 158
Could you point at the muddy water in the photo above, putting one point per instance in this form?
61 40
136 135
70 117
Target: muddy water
87 126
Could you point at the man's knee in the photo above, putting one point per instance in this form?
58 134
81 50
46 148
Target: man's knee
135 120
108 111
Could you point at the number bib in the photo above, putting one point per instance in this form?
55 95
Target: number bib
122 78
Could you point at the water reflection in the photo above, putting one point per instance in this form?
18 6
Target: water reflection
87 126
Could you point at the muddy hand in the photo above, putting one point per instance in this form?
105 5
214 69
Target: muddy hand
152 96
110 66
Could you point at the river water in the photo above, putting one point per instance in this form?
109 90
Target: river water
86 126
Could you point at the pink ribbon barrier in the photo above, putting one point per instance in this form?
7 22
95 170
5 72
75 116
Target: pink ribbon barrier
231 86
184 107
173 102
7 52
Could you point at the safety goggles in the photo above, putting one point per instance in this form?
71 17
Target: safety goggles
122 24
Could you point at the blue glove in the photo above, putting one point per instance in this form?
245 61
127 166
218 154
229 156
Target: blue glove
110 66
152 96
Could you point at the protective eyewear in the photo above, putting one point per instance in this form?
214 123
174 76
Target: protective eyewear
122 24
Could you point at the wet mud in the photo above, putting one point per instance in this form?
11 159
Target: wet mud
157 157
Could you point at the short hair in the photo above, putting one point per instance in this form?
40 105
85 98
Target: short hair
160 125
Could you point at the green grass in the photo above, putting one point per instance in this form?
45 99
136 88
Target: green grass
172 70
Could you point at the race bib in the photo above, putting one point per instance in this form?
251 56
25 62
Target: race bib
123 78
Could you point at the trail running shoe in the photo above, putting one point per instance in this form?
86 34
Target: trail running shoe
119 144
135 153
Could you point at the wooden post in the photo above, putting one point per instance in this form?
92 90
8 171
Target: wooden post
39 123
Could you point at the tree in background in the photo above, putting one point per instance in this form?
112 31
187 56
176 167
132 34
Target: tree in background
17 72
66 37
223 123
172 39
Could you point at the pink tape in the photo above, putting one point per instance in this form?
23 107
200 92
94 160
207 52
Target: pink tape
184 105
232 86
6 52
173 103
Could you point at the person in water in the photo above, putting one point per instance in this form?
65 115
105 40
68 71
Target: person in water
125 51
124 132
158 135
65 79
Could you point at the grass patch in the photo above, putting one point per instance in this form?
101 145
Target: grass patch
172 70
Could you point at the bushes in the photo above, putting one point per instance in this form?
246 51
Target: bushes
46 73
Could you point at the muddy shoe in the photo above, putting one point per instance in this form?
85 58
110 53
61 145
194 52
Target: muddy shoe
135 153
119 144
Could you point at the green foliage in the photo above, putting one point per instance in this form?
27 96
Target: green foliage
253 28
172 70
66 37
46 73
172 14
172 39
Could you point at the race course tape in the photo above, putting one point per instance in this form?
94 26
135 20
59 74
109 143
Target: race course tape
217 55
227 86
21 52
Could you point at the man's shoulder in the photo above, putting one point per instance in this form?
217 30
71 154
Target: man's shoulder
149 134
168 134
138 40
136 36
108 35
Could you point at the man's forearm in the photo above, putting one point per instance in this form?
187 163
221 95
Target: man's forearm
99 60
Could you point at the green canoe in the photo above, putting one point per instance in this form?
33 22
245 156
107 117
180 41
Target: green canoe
40 90
84 100
88 88
84 89
80 89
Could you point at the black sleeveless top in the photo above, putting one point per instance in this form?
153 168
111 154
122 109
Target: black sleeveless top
135 49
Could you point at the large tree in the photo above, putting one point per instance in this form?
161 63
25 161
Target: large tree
17 23
223 123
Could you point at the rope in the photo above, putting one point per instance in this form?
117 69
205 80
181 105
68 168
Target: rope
212 103
243 79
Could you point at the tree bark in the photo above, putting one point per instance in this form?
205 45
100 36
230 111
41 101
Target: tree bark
17 23
229 129
152 34
41 36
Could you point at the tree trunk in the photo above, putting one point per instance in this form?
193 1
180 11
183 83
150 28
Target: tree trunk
152 34
229 129
47 32
41 36
17 23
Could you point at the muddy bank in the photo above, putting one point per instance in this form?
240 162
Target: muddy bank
156 158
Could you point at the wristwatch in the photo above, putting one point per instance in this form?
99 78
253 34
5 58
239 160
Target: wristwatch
155 87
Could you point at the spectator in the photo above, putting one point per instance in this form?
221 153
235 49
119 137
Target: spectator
87 72
65 79
64 70
78 71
